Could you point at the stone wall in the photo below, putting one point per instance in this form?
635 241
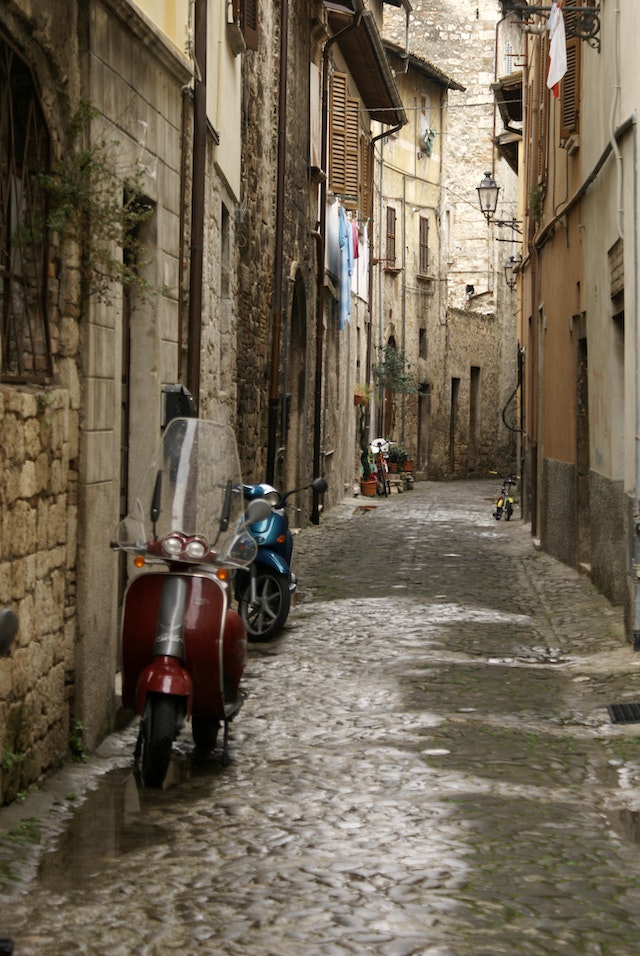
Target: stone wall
38 497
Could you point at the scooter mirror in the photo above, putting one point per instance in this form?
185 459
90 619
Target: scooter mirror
257 510
319 485
8 630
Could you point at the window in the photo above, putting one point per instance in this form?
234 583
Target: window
366 191
245 13
570 90
422 343
24 158
391 238
424 246
345 142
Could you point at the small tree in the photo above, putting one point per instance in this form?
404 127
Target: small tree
393 371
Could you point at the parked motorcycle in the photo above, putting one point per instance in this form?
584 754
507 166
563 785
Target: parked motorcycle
264 592
183 647
506 501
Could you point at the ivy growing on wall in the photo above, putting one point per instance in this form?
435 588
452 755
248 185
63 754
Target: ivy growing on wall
90 202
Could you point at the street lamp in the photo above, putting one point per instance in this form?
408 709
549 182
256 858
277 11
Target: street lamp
488 198
511 267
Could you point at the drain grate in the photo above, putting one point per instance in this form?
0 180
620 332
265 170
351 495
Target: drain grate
624 713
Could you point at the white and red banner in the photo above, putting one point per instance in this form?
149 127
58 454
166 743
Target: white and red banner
557 48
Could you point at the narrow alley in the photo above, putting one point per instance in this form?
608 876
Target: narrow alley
425 765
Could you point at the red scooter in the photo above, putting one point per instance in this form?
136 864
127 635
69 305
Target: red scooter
183 648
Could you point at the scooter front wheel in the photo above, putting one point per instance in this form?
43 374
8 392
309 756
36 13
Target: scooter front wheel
265 618
158 731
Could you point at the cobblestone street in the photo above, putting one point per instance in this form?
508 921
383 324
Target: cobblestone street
424 764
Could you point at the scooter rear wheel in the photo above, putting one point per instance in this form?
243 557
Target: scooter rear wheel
265 619
204 730
160 725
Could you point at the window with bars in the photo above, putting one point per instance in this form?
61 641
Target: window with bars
423 266
25 347
390 247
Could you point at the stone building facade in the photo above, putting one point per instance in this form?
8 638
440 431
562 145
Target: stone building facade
83 379
473 363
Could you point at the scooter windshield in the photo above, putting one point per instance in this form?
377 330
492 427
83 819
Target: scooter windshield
190 505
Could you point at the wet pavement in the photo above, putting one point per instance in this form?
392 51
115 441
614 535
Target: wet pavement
424 764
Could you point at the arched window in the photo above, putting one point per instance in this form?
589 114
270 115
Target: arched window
25 348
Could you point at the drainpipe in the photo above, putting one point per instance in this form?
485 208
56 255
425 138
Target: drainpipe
321 237
276 331
381 137
197 201
636 265
404 297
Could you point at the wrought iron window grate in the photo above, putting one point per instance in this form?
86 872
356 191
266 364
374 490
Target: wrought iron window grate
25 353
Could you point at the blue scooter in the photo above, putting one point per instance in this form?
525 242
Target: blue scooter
263 590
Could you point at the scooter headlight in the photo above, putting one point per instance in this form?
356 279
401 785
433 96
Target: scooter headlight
197 548
173 544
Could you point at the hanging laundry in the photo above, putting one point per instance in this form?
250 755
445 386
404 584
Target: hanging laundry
557 48
345 240
356 251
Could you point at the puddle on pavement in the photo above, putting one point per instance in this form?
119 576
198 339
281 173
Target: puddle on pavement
120 817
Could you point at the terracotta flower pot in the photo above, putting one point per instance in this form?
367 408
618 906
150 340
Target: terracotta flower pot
368 487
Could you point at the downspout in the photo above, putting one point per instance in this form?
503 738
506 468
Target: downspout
381 136
380 430
197 201
636 517
321 238
276 330
404 294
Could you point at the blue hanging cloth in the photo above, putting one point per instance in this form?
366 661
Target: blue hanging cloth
345 239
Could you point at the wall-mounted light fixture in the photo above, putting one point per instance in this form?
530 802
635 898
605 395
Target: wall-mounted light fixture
488 198
511 267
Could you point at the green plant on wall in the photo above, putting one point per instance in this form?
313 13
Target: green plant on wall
536 199
102 210
393 371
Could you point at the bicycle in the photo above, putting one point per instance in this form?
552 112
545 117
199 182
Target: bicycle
505 502
380 449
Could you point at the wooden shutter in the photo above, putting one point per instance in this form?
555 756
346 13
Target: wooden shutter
352 169
338 134
366 190
542 100
424 246
391 238
570 92
344 172
249 23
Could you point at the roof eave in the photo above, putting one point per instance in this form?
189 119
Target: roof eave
364 53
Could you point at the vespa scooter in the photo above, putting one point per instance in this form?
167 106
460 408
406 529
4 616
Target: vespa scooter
183 647
264 592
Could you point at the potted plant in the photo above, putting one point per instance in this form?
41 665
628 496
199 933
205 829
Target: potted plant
397 457
368 482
